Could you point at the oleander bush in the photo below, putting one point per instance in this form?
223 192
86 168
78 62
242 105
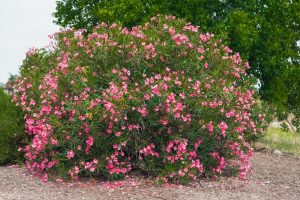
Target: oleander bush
11 130
163 99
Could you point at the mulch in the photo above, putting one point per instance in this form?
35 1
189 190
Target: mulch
275 176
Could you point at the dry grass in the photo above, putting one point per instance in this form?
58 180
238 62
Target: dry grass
284 141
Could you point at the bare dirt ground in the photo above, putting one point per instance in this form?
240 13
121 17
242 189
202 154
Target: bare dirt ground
274 177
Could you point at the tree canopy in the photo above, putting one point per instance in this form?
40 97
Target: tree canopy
266 32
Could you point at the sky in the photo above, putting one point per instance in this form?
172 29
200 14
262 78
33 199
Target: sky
23 24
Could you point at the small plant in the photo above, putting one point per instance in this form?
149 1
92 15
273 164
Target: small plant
161 98
11 129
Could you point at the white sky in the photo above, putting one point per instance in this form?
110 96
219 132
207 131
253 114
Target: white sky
23 24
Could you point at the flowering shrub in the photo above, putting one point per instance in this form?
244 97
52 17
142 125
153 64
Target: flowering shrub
160 98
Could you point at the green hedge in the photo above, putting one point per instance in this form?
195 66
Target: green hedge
11 129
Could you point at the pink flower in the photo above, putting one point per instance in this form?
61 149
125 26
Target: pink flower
182 95
171 31
172 174
164 86
118 133
164 121
231 113
32 102
190 27
227 49
90 141
108 105
221 165
143 111
29 85
46 109
70 154
155 90
215 155
223 126
197 144
205 65
203 38
92 169
210 127
179 107
146 97
29 121
45 178
54 142
76 170
171 98
200 50
180 38
113 89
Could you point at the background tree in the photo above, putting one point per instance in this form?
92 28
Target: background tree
76 13
266 32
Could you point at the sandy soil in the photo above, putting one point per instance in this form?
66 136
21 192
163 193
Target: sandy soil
274 177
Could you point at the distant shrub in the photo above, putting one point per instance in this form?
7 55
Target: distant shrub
11 129
161 98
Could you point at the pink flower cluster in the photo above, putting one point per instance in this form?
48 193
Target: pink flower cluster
148 150
114 166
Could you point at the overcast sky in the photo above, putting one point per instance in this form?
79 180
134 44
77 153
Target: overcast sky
23 24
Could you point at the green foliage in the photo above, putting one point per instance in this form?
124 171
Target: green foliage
11 129
77 14
265 32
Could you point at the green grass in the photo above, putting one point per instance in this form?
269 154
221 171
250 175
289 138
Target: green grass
278 139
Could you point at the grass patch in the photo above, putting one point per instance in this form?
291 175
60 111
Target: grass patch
278 139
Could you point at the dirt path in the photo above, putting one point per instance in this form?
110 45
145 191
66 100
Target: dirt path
274 177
